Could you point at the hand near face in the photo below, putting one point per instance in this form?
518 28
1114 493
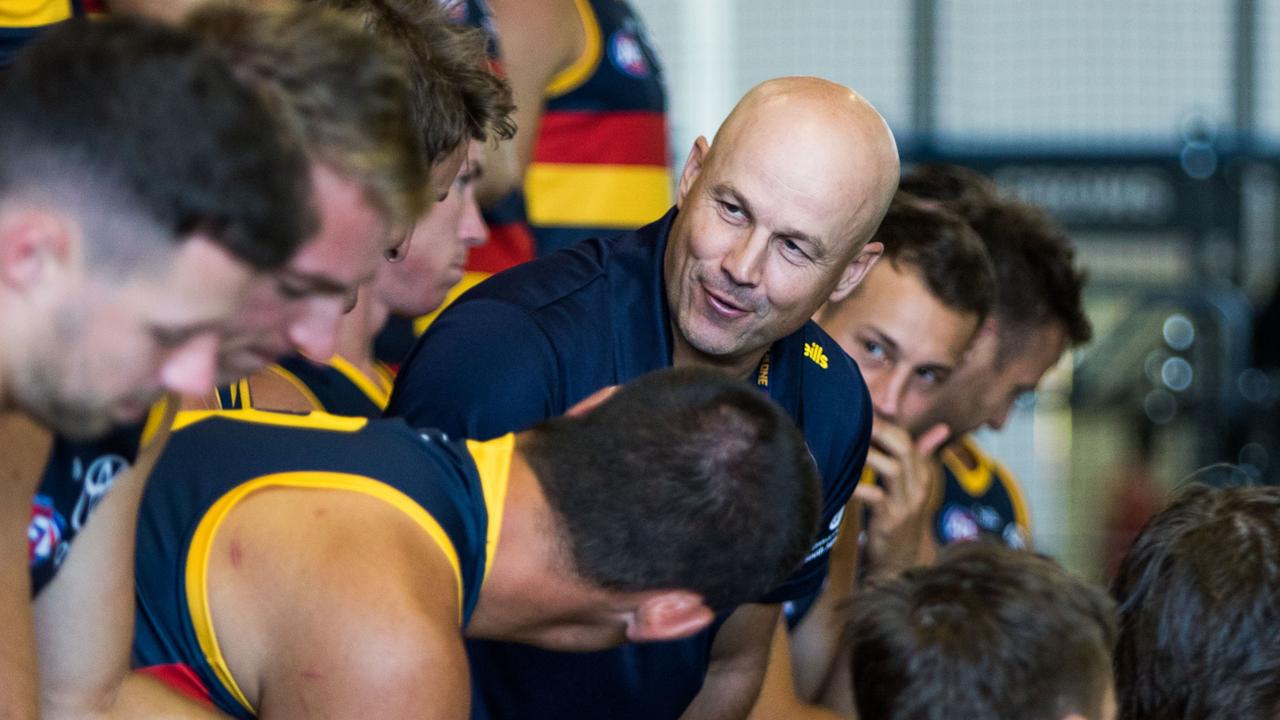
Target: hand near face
897 531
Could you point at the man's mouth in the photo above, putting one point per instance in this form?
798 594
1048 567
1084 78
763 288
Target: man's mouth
723 305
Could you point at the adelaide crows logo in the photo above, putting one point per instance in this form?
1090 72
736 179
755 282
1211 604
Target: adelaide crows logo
45 531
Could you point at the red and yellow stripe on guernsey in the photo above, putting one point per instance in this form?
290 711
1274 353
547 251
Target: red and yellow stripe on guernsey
599 169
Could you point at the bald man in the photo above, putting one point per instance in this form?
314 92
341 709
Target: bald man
771 220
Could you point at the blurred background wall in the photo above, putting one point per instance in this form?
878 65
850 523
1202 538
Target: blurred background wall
1150 128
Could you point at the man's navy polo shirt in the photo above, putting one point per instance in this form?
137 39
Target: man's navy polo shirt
526 345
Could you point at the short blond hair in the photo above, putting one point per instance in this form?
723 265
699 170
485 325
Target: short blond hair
342 93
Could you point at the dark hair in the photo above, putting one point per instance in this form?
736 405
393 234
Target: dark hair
988 632
684 479
948 184
1199 597
126 117
943 249
342 93
456 95
1037 280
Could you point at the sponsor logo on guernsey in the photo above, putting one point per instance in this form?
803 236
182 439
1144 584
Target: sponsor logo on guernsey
1013 537
823 546
958 525
627 54
988 518
814 352
96 480
46 531
456 10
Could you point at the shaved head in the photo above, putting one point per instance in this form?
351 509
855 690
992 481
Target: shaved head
775 217
840 147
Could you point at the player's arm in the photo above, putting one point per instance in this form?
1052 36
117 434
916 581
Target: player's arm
814 645
801 662
483 368
23 447
739 655
84 617
336 604
778 697
537 39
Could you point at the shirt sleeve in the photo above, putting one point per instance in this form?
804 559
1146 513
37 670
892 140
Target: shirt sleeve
484 368
839 434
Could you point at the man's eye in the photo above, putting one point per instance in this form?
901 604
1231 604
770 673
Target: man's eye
928 376
874 349
731 209
169 337
794 251
290 291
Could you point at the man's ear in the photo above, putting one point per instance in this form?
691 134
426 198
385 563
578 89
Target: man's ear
856 270
592 401
31 241
692 168
668 615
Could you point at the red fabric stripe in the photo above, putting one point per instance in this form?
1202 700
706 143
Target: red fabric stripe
613 138
181 678
508 245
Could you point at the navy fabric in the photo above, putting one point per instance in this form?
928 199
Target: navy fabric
529 343
208 459
77 476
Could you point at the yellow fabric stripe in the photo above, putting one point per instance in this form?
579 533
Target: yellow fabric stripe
197 569
868 476
33 13
977 480
614 196
585 65
314 421
159 412
493 461
386 376
469 280
1020 513
376 389
297 384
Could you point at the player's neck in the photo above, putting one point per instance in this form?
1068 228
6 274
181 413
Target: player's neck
523 561
357 331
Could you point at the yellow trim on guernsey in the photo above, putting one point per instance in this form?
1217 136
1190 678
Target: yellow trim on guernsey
296 384
622 196
581 69
315 420
160 410
33 13
974 480
470 279
378 390
197 567
493 463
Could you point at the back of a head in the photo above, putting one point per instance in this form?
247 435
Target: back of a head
456 97
988 632
942 249
1037 280
949 184
344 94
683 479
1199 599
147 137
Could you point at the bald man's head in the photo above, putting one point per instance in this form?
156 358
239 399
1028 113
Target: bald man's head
775 216
834 139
